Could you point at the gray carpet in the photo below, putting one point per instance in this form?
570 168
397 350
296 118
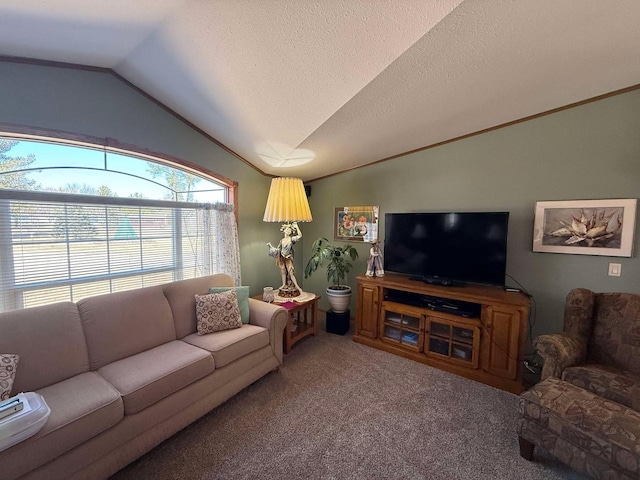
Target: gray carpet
340 410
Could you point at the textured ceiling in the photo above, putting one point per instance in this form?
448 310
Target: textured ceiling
309 88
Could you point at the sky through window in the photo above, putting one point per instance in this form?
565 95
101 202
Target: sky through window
75 169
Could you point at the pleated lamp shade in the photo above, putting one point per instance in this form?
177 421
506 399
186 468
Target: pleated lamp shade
287 201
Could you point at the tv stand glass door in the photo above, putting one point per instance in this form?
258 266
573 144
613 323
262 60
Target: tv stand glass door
402 325
453 340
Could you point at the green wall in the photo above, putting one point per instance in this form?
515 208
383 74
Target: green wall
99 104
587 152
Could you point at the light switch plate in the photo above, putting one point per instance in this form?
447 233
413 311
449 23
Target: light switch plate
615 269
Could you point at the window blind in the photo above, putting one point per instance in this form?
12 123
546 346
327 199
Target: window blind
55 248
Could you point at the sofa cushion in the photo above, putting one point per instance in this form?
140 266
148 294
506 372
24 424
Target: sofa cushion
81 407
243 299
229 345
147 377
217 311
181 297
8 366
50 342
608 382
118 325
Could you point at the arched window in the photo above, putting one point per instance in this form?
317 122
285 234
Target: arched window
78 220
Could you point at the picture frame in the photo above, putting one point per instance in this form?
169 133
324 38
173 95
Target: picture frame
585 227
356 224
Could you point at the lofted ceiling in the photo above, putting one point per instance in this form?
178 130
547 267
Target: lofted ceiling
308 88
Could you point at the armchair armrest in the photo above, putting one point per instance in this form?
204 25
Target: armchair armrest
559 351
271 317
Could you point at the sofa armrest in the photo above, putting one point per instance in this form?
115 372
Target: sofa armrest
559 351
271 317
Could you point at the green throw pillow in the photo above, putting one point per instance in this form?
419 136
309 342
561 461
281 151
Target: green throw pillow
243 299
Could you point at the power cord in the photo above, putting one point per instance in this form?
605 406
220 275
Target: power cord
532 311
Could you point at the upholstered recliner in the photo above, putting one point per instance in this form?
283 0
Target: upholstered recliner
586 409
599 349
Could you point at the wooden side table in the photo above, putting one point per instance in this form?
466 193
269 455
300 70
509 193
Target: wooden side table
303 320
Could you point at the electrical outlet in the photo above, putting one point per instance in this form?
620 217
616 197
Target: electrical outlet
615 269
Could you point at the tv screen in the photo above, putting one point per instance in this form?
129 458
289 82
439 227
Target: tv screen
456 248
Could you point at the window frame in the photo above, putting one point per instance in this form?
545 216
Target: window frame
108 145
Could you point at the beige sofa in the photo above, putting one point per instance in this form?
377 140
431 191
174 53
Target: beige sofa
124 371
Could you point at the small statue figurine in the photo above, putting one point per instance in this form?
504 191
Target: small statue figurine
374 264
283 254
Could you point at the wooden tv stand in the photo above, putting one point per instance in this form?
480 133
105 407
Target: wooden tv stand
481 339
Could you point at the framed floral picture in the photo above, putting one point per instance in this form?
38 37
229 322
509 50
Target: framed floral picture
585 227
359 224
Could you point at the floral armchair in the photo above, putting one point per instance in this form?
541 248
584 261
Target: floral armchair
599 348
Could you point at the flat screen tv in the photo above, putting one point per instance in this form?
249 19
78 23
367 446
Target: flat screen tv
448 248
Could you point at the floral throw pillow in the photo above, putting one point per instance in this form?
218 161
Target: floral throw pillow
8 366
217 311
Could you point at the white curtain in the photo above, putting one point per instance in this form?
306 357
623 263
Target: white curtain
221 248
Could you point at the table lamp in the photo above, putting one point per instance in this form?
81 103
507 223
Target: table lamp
287 202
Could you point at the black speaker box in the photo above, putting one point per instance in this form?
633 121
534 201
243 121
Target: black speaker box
338 322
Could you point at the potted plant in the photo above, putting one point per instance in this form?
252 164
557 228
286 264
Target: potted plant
338 265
